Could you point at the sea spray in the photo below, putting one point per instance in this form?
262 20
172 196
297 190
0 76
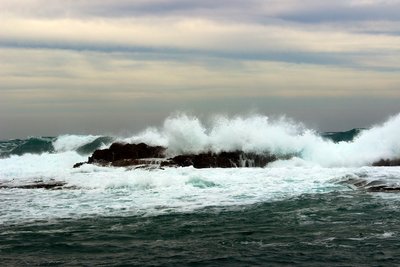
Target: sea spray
259 134
183 134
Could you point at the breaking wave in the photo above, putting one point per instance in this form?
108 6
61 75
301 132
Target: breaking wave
82 144
184 134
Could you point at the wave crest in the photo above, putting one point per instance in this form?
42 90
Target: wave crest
184 134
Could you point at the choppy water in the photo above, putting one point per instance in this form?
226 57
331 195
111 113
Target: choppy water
336 229
302 211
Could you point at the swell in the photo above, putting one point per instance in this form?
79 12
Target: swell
33 145
83 145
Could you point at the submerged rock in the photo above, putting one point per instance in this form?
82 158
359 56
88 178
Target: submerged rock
379 185
51 185
387 162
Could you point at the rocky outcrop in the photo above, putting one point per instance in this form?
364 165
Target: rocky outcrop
127 155
123 155
223 160
118 152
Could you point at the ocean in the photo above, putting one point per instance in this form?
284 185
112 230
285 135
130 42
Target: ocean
312 207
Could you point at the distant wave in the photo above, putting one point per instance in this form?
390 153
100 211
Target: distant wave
33 145
82 144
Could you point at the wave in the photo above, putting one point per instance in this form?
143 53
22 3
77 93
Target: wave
82 144
184 134
33 145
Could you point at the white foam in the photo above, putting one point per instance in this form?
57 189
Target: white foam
107 191
186 134
36 167
379 142
318 167
116 191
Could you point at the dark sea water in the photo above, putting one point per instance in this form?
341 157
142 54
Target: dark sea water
313 208
335 229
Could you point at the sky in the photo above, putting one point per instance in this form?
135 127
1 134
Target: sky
117 66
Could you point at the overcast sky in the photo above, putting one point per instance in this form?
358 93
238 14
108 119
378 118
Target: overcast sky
115 67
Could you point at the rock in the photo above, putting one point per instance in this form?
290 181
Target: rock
387 162
126 155
384 189
118 152
136 162
223 160
77 165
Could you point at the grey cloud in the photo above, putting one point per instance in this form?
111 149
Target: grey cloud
107 8
345 13
341 81
186 55
250 11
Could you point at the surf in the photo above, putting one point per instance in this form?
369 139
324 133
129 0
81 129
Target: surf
259 134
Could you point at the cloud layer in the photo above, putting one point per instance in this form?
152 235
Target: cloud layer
64 55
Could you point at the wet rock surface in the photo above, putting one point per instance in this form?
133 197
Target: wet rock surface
127 155
118 151
223 160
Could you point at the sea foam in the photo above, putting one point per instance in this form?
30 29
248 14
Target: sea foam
183 134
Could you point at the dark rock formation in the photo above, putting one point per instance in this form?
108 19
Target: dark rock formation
140 162
223 160
118 151
387 162
123 155
77 165
384 189
126 155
